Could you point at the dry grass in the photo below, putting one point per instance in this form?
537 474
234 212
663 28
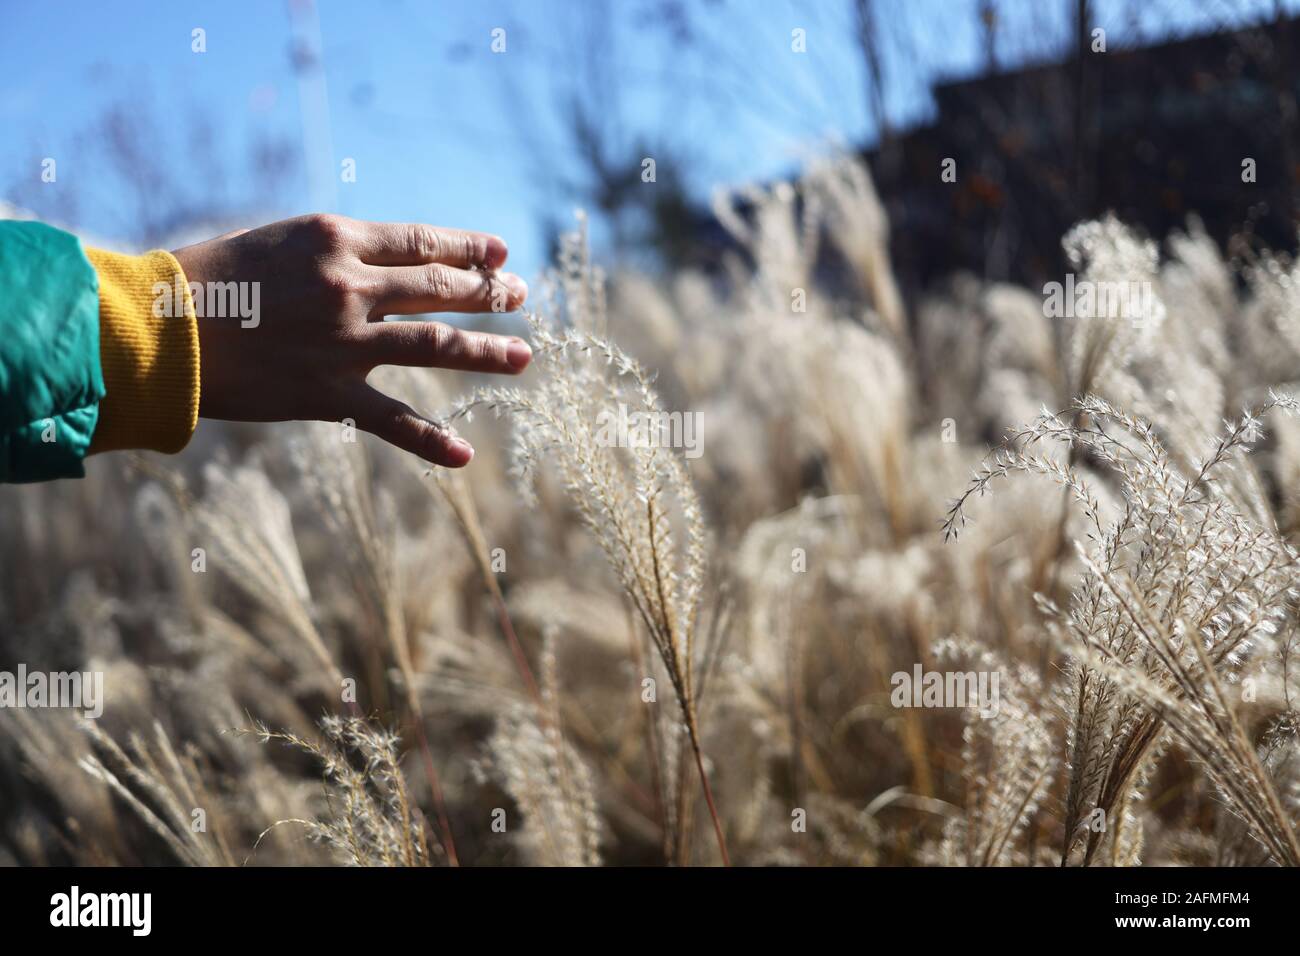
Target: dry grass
624 655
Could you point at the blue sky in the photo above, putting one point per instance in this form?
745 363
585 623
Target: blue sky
441 128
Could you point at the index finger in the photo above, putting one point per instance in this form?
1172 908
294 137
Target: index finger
414 244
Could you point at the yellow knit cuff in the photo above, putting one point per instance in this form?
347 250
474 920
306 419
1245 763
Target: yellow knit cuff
149 352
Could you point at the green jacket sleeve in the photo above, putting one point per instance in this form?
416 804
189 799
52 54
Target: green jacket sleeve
50 377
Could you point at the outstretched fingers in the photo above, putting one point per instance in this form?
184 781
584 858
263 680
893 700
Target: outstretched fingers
438 345
410 290
413 243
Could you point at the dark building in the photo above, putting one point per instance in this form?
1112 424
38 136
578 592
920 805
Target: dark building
1152 134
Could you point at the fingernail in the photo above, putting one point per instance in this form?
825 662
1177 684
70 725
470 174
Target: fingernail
460 452
518 354
496 252
517 286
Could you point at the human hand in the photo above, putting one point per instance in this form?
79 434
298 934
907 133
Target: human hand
323 286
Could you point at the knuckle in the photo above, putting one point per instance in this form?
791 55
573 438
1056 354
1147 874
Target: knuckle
487 350
445 338
325 230
432 439
423 241
472 248
440 283
416 434
336 287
